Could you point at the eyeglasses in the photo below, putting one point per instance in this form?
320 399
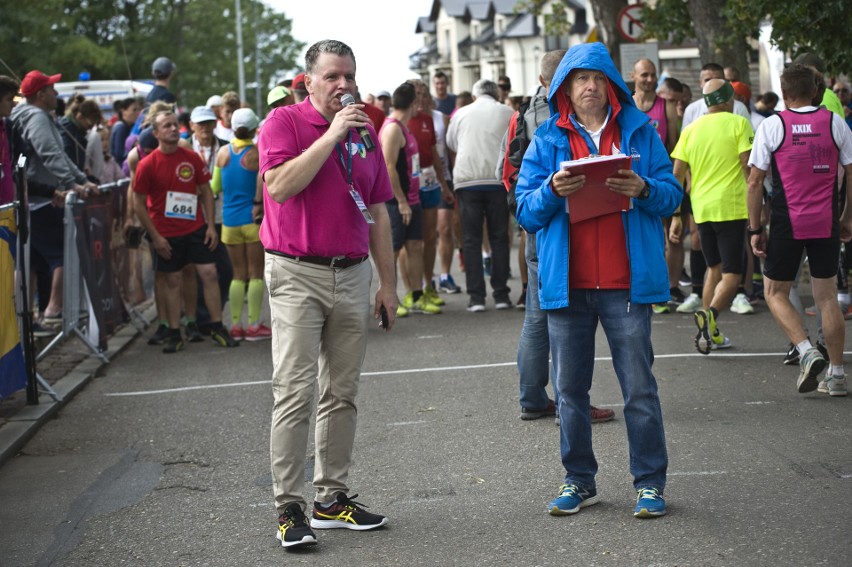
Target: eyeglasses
504 86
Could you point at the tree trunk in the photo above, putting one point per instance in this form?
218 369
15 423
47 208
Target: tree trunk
606 19
714 36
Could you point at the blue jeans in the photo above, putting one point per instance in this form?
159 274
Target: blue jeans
572 342
534 345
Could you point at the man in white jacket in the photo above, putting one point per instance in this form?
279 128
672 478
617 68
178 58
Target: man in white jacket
474 134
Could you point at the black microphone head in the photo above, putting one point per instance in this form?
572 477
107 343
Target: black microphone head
347 99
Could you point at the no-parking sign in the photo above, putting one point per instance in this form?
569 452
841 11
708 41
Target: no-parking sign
629 23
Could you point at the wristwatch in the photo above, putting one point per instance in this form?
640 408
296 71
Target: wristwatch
754 231
646 192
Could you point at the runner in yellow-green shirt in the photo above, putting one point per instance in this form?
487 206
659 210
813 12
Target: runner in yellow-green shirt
715 149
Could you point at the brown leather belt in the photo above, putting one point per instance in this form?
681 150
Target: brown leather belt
333 262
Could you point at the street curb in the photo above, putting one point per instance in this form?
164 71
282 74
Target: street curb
21 427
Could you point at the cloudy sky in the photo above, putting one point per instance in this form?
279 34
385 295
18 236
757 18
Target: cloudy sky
380 32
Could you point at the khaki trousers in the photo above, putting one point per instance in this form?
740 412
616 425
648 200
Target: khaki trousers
319 335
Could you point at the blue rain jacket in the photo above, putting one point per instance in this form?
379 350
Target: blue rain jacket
542 212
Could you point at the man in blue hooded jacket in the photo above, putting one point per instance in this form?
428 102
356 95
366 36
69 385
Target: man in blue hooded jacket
608 269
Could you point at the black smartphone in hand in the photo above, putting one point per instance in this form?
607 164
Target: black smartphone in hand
384 315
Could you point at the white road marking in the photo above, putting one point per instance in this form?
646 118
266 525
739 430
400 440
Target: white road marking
696 473
409 422
715 354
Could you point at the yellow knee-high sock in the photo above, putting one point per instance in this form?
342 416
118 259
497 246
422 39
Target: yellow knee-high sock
256 289
235 298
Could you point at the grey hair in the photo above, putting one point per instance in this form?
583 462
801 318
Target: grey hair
485 87
326 46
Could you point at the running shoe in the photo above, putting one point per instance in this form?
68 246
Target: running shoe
706 324
684 279
833 385
661 308
812 310
677 296
193 335
649 503
447 285
345 513
741 305
810 365
257 332
293 528
691 304
503 304
432 296
531 414
237 333
522 300
792 356
401 311
174 344
476 307
160 336
222 337
571 498
422 305
719 341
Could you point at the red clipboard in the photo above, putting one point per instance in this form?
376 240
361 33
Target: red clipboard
595 199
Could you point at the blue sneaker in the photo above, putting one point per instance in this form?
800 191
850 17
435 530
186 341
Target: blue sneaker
447 285
649 503
571 498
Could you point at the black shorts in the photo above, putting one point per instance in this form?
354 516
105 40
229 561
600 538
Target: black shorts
401 232
783 256
47 237
186 249
724 242
686 206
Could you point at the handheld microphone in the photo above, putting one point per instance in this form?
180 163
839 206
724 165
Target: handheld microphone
346 100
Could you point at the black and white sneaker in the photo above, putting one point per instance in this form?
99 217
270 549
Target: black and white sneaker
160 336
792 356
193 335
222 337
345 513
293 528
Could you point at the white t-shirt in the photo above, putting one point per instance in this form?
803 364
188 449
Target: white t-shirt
699 108
770 134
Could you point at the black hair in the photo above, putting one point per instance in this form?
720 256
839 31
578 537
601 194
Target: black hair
404 96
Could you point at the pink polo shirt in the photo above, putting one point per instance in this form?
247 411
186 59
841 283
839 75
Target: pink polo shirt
322 220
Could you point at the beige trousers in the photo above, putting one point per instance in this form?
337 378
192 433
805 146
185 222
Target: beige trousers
319 335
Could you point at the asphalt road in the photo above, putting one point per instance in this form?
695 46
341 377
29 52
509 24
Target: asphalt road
163 460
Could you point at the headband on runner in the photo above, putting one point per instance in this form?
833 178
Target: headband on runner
720 96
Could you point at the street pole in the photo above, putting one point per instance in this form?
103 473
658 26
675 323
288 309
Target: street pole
240 68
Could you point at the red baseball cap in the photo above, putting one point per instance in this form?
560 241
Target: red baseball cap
34 81
299 82
741 89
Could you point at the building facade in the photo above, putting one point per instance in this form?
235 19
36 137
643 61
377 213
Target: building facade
472 40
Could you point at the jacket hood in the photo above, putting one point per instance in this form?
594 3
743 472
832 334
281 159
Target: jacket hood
23 112
588 56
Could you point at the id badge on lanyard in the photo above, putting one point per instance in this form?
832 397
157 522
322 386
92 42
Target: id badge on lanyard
347 165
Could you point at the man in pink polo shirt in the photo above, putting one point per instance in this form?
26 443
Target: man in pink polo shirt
324 203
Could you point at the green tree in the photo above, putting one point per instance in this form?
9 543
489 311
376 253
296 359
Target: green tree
720 40
722 26
118 39
799 26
